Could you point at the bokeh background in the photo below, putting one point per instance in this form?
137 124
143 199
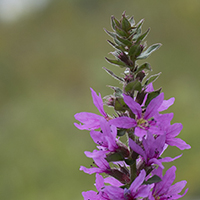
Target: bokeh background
51 53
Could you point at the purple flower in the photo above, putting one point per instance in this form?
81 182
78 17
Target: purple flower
136 189
90 121
164 190
100 184
172 131
153 148
144 121
106 139
102 166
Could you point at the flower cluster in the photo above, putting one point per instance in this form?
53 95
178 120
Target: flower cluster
134 170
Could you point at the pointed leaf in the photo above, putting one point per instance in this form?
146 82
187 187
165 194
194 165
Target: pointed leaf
124 41
129 161
120 32
125 24
134 85
118 91
149 50
142 67
152 78
116 62
113 75
116 46
114 22
120 104
141 37
121 132
134 52
132 21
153 179
112 34
114 157
151 96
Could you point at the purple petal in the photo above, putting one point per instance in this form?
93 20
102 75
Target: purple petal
123 122
105 126
135 147
99 182
143 191
153 106
155 161
91 170
114 192
90 121
163 186
137 182
169 159
90 195
150 88
178 143
164 119
140 132
95 154
174 129
134 106
98 102
166 104
113 181
156 130
177 187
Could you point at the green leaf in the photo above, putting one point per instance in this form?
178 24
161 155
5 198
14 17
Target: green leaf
112 34
153 179
120 32
152 78
113 75
118 92
134 85
138 30
120 105
111 157
116 62
129 161
124 41
152 95
121 132
125 24
116 46
141 37
149 50
114 22
140 23
142 67
132 21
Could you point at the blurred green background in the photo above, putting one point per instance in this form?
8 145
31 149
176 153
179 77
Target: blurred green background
50 55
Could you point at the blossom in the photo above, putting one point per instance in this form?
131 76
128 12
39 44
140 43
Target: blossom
153 148
106 139
100 184
164 190
136 189
102 166
172 131
144 121
90 121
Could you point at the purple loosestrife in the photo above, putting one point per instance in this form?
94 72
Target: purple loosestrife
136 189
153 148
132 170
91 121
164 190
